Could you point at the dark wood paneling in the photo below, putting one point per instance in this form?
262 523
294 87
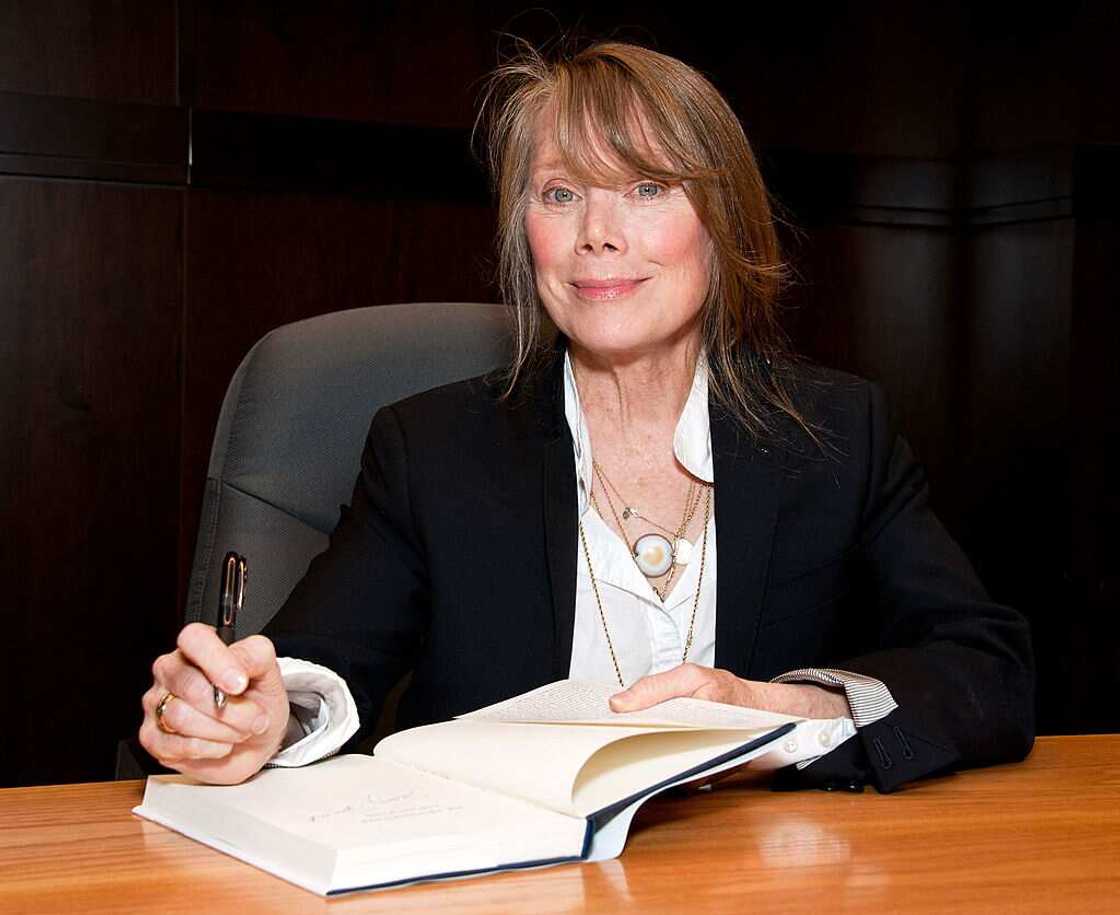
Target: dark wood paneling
1097 68
970 329
120 51
879 301
884 80
390 62
839 188
869 79
1094 657
256 261
382 161
89 442
78 138
822 188
1096 183
1013 448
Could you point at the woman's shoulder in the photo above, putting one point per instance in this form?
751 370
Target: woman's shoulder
814 380
834 395
452 395
840 410
478 406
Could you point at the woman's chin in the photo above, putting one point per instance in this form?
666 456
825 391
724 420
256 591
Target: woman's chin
621 346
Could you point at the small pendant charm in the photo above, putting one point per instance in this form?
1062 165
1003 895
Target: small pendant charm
627 513
683 555
653 554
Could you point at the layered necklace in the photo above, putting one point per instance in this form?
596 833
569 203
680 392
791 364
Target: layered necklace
653 553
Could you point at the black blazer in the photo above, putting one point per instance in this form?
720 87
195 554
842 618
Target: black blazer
457 558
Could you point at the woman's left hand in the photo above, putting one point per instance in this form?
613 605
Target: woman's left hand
805 700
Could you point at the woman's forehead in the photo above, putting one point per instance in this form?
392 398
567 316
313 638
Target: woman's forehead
589 153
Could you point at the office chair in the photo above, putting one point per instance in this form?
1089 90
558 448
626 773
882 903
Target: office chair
289 440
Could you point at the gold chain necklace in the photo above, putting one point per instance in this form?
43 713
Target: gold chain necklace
664 589
695 598
629 511
660 546
691 503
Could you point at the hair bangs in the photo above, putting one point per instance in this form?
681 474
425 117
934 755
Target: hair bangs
607 131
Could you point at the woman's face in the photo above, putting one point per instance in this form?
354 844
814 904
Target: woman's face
622 271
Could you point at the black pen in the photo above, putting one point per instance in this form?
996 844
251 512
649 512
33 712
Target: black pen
230 598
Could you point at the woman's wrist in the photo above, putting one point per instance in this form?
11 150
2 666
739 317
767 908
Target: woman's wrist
811 701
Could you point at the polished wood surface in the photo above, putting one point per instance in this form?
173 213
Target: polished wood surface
1041 836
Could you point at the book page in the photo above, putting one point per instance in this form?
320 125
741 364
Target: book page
584 702
539 763
361 821
542 763
648 759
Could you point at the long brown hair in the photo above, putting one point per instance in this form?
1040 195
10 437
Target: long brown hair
629 97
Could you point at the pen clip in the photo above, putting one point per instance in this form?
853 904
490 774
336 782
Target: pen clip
242 577
232 597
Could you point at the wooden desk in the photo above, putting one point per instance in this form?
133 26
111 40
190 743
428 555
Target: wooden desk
1042 836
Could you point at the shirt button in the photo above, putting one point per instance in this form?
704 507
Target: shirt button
790 746
825 738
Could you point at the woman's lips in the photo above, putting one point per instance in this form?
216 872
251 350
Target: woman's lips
599 290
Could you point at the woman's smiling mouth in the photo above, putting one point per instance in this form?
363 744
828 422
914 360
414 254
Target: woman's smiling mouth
609 288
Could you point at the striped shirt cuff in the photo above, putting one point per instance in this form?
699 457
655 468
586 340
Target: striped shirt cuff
869 698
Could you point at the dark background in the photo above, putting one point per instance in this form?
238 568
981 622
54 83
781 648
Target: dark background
177 178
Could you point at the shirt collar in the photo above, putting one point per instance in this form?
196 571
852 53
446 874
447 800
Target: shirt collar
692 439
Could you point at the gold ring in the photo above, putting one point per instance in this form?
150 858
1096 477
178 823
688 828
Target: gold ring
160 709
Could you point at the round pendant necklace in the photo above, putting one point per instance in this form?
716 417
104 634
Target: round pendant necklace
653 553
695 597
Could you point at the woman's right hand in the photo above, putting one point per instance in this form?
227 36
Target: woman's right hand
221 746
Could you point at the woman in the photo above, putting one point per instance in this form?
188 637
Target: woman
564 522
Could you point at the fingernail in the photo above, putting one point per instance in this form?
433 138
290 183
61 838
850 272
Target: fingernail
260 725
234 681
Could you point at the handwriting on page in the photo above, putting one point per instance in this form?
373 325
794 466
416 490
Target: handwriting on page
577 701
381 808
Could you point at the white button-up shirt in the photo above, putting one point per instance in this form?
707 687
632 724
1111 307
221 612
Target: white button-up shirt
648 634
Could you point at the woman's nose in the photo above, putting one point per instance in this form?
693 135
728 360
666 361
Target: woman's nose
600 227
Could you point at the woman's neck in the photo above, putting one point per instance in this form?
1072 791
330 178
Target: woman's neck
637 395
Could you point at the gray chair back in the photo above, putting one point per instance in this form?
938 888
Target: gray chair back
288 443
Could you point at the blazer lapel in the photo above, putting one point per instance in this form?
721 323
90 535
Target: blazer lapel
558 490
560 539
748 496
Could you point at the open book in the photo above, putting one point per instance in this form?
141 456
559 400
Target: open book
550 776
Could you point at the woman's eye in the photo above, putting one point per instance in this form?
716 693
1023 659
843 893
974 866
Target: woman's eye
649 189
559 195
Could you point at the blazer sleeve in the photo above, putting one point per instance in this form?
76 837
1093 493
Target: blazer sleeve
959 665
362 609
